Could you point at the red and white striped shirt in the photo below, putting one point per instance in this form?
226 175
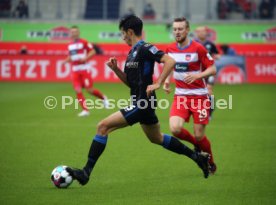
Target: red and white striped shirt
78 50
192 58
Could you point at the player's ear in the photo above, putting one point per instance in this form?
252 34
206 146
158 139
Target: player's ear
188 29
130 32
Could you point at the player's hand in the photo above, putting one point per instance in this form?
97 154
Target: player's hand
112 63
167 88
63 63
191 77
83 60
152 88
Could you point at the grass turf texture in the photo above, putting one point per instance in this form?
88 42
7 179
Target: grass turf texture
34 140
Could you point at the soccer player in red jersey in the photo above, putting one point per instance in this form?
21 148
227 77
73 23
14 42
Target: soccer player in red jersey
193 65
80 51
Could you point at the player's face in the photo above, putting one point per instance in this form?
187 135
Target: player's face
180 31
74 33
126 37
201 34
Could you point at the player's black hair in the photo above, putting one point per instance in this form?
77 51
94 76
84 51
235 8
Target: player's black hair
74 27
132 22
181 19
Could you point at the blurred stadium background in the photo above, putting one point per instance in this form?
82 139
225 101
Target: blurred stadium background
33 140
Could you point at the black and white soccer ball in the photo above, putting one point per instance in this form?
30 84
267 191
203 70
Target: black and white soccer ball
60 177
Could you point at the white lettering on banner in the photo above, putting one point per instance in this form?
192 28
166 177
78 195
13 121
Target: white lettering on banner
108 73
30 71
43 67
231 78
62 71
6 69
93 68
265 70
18 64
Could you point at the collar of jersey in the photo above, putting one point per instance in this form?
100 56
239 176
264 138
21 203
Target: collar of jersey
184 46
137 44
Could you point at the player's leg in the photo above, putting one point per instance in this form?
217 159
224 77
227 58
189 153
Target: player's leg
88 83
201 118
179 114
200 108
204 144
176 127
106 126
170 143
99 95
77 85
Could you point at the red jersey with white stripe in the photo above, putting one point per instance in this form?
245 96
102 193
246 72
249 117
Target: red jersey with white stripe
192 58
78 50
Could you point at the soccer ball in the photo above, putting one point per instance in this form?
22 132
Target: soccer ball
60 177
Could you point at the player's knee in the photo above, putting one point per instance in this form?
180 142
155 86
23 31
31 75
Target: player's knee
175 130
198 137
77 90
156 139
89 90
102 128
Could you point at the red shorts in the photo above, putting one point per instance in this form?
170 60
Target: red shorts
185 106
82 79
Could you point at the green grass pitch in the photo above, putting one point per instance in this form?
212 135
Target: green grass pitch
34 140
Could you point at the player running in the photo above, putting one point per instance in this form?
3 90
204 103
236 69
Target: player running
201 37
80 51
137 76
193 65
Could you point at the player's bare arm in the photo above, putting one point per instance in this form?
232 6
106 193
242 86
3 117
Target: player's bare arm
191 77
166 86
112 64
89 55
66 60
169 64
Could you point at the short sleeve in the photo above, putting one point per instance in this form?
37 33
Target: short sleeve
153 53
205 58
88 46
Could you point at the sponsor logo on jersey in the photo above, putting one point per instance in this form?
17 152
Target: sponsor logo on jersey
188 57
181 67
153 50
132 64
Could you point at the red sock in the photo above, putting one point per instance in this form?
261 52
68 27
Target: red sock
186 135
98 94
205 145
81 100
